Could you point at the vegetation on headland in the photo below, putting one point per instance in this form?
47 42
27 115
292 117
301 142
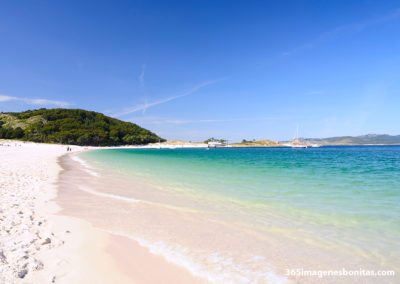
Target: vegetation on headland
212 139
72 126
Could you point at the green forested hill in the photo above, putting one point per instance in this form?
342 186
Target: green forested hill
72 126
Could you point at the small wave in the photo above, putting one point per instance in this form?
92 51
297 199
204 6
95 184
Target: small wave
86 166
108 195
217 268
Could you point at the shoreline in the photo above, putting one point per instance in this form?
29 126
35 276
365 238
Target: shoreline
99 198
129 261
39 243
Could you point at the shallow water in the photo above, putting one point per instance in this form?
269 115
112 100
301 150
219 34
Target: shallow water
246 215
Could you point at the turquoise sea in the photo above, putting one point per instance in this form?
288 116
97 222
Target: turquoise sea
246 215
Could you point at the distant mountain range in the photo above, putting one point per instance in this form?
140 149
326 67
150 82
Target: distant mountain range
369 139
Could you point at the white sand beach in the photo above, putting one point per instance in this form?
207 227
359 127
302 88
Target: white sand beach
39 245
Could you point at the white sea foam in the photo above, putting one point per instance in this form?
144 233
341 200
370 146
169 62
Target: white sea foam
215 267
108 195
86 166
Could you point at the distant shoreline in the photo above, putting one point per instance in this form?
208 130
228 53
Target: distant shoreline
183 144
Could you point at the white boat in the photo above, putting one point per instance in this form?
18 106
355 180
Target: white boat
299 145
296 143
215 144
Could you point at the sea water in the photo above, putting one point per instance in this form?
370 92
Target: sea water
247 215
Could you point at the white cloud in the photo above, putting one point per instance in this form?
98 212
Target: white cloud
46 102
147 105
141 81
141 76
6 98
39 102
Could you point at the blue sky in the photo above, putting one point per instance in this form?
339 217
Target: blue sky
195 69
